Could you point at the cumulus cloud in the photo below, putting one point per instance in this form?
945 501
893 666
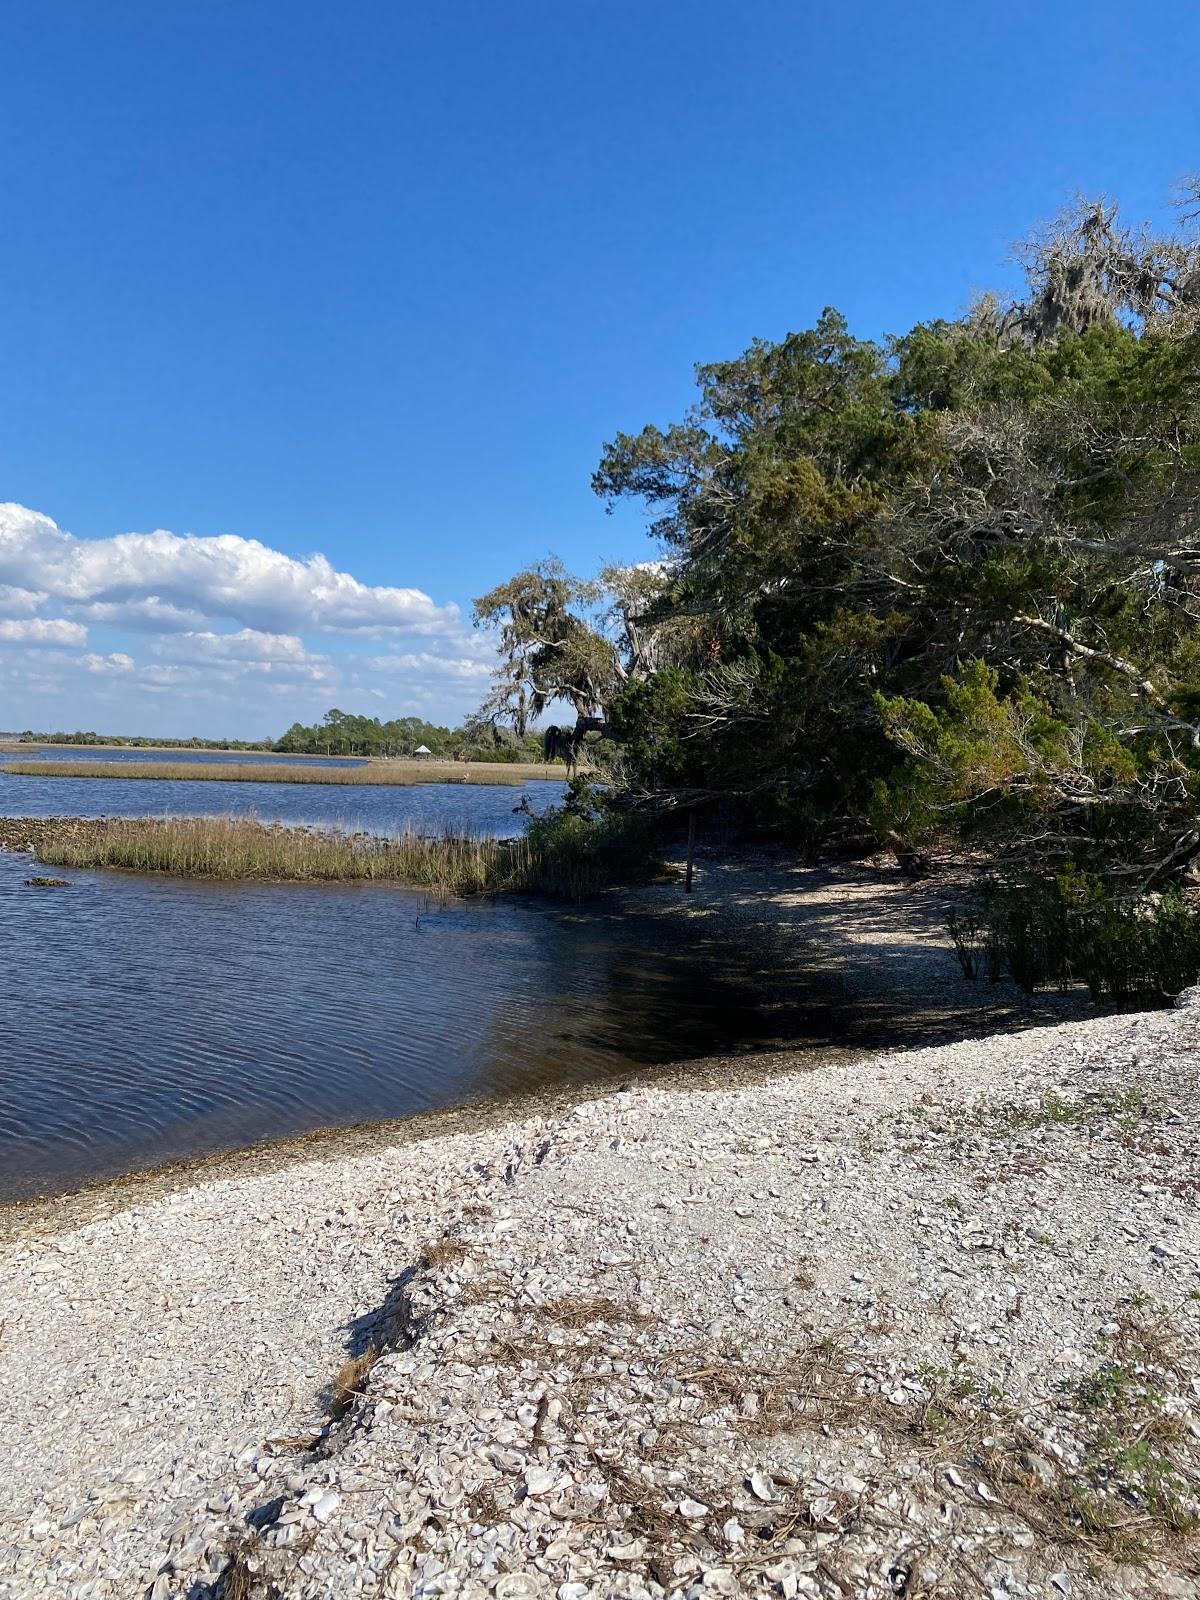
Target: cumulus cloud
424 661
150 615
221 576
215 634
43 630
116 662
16 602
249 644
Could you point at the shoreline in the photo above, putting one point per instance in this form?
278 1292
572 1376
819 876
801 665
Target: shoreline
833 921
367 773
610 1296
40 748
45 1215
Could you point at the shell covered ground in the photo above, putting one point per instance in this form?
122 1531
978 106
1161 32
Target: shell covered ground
922 1324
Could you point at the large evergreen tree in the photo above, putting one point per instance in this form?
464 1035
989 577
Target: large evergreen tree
947 581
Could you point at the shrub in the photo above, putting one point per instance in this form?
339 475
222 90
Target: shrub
1076 929
581 848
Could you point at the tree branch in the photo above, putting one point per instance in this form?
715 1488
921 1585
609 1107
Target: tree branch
1117 663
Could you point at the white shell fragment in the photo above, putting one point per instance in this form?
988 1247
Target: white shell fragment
576 1335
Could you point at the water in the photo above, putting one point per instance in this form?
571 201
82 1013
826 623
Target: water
148 1019
427 807
78 752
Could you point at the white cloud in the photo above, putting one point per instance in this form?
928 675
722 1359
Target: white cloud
424 662
162 632
221 576
151 614
226 657
43 630
116 662
247 645
15 602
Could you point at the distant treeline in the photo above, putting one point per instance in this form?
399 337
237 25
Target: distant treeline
343 734
134 742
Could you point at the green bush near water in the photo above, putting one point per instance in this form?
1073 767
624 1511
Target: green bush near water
580 847
1074 929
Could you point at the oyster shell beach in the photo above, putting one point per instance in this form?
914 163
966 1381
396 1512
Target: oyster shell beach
927 1327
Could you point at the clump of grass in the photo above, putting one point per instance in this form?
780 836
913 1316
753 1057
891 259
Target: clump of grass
1139 1450
1130 1484
399 773
443 1252
560 856
1054 1111
581 1311
349 1379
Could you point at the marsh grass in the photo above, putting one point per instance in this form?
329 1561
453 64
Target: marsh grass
230 848
570 863
393 774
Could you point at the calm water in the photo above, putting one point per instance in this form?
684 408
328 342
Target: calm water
77 752
144 1019
427 807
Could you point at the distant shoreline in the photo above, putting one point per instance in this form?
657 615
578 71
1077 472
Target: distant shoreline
40 746
397 773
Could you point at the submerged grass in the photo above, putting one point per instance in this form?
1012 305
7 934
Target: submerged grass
390 773
569 863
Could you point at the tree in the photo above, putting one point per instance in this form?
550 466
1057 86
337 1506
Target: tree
963 565
564 638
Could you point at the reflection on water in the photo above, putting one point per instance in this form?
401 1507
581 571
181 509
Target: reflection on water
145 1019
427 807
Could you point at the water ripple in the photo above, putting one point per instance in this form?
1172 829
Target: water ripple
145 1019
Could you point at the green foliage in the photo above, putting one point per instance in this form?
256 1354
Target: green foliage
851 522
343 733
549 649
981 757
945 587
124 741
1075 929
580 848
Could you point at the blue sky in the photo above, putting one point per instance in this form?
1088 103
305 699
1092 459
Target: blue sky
373 283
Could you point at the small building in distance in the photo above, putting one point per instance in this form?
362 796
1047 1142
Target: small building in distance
422 753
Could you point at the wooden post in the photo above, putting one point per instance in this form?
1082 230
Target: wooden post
687 876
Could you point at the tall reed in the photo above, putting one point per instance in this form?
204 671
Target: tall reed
571 862
242 848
